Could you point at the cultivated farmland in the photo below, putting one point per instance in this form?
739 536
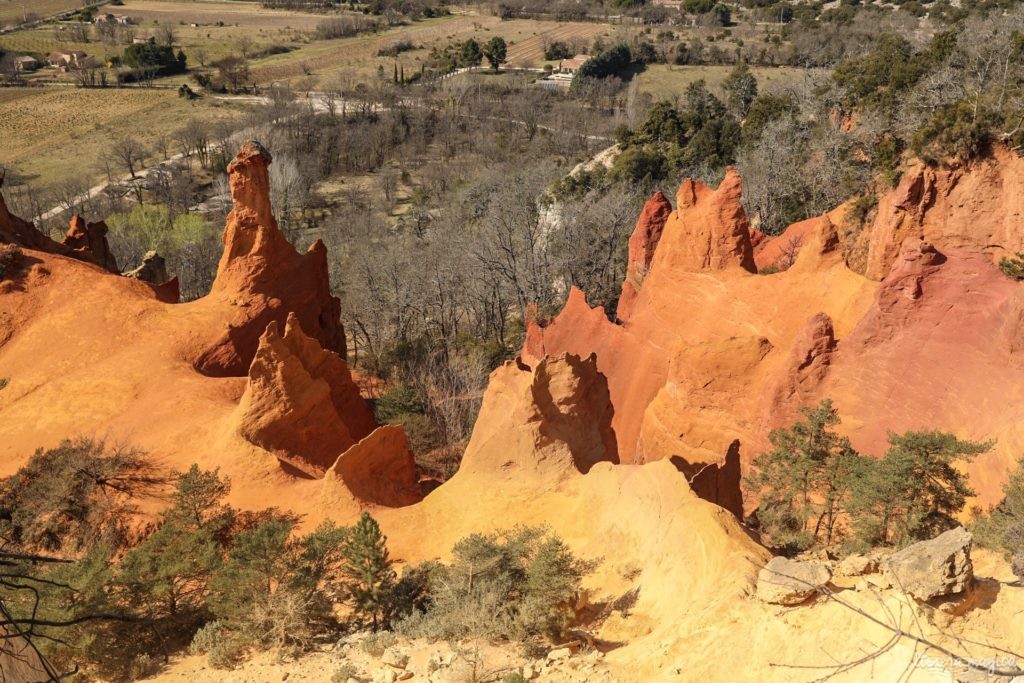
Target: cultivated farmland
58 134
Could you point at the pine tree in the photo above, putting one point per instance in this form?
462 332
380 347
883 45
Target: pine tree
1003 527
803 480
395 76
368 574
915 491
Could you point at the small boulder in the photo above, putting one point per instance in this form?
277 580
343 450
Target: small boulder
395 657
857 565
790 582
931 569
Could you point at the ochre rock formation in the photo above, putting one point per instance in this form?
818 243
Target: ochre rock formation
300 402
642 244
263 277
88 241
709 229
976 207
711 354
553 418
379 469
125 369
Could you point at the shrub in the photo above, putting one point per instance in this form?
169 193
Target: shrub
514 585
344 672
4 381
1003 527
396 48
376 643
10 254
1013 267
143 666
207 637
75 497
557 50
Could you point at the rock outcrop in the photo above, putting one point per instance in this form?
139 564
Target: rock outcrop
88 242
15 230
709 229
803 373
153 269
300 402
977 207
791 582
642 245
935 568
379 469
552 419
263 277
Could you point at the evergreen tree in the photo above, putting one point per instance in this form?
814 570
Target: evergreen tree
741 89
1003 527
915 490
368 576
495 51
803 480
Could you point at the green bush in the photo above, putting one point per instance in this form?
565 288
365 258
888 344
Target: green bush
514 585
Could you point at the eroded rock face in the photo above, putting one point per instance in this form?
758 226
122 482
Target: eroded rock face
301 403
642 245
552 419
978 207
931 569
379 469
709 229
801 377
88 242
153 269
264 277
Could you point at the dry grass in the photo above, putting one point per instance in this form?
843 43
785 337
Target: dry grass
663 81
357 57
56 134
13 11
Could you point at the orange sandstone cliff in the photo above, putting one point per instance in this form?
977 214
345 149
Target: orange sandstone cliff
89 353
710 356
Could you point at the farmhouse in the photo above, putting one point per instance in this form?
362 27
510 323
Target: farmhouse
114 19
75 59
571 66
25 64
